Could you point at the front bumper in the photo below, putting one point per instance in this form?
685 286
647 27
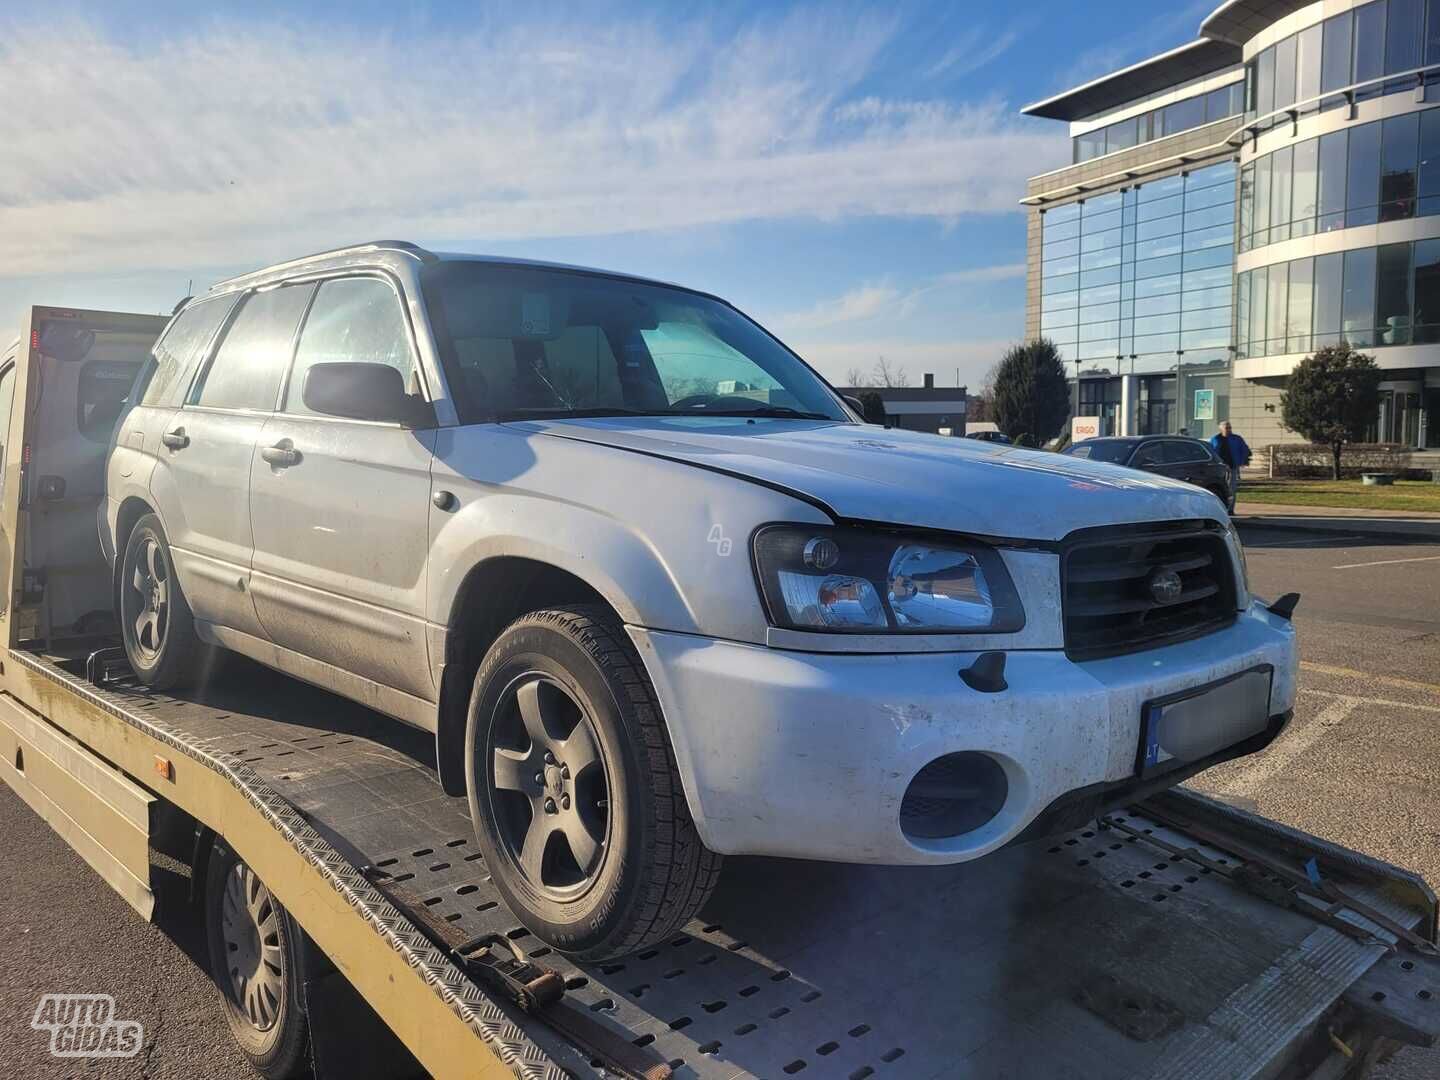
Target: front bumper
808 755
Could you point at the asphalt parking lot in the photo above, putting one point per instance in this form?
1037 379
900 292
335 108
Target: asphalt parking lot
1359 765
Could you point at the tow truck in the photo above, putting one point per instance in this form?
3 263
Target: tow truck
1177 937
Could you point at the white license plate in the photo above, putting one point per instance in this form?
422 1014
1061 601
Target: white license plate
1194 724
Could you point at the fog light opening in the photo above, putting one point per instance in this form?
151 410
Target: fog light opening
953 795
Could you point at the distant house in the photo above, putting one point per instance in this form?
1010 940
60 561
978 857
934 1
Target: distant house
939 410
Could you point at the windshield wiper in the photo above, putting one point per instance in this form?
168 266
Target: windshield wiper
764 410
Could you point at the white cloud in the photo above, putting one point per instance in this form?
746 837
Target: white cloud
973 50
240 144
1006 272
874 300
865 302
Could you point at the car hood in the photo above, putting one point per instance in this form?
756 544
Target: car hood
905 478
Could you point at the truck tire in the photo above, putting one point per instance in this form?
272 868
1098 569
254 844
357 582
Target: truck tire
255 961
155 618
574 793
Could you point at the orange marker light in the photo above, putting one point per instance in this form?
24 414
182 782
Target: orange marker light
164 767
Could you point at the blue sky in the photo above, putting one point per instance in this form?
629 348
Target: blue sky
847 173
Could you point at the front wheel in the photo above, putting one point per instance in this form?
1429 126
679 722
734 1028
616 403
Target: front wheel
574 792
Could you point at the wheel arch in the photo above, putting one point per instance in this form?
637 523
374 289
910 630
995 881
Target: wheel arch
131 510
493 594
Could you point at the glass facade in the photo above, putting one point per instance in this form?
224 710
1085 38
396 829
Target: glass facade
1133 278
1182 115
1370 297
1384 37
1387 170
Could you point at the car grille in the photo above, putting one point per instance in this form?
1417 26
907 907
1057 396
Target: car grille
1114 580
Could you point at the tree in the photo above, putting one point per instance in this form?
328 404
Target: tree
872 407
855 378
1031 397
884 374
1332 397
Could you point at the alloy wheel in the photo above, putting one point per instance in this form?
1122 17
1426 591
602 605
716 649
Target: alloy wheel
549 788
150 597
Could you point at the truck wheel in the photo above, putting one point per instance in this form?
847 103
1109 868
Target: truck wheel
155 620
573 789
254 960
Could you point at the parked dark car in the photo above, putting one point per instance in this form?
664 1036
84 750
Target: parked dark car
1169 455
988 436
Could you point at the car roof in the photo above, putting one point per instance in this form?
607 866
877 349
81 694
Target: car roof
1136 440
392 252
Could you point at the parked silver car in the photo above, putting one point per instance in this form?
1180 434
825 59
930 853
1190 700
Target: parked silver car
657 592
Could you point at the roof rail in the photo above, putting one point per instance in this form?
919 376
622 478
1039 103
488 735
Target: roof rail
404 246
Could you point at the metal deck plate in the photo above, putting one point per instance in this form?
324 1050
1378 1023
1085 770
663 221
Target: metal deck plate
986 969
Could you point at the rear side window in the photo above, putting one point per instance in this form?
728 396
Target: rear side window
352 319
1149 454
1183 453
252 356
179 350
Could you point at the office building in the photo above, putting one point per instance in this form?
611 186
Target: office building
1239 201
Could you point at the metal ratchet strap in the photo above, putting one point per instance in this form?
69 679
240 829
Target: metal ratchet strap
531 987
1325 890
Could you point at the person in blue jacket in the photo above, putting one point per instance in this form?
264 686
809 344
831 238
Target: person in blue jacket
1231 449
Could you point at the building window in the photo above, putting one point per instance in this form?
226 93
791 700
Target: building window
1363 45
1399 149
1183 115
1387 170
1369 297
1392 295
1427 292
1152 275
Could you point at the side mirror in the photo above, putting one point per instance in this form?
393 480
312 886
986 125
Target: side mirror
855 403
363 392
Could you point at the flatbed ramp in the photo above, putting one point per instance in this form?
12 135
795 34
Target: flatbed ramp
1123 949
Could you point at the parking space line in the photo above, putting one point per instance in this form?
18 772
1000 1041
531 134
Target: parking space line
1296 740
1383 702
1386 562
1383 680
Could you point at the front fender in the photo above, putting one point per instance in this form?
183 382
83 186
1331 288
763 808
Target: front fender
663 542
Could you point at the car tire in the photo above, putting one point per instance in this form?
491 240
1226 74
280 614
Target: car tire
155 619
255 962
574 792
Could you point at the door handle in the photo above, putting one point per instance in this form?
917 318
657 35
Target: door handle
282 455
176 440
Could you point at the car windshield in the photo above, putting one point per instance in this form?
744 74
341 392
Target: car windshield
523 342
1113 450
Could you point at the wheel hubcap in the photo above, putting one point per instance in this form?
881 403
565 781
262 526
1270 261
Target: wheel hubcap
548 785
255 961
150 597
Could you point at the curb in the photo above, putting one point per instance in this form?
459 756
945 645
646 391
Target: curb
1400 529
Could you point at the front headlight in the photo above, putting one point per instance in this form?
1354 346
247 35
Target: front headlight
858 581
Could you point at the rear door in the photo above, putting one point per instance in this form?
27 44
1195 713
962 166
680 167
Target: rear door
156 397
1188 461
340 507
201 479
